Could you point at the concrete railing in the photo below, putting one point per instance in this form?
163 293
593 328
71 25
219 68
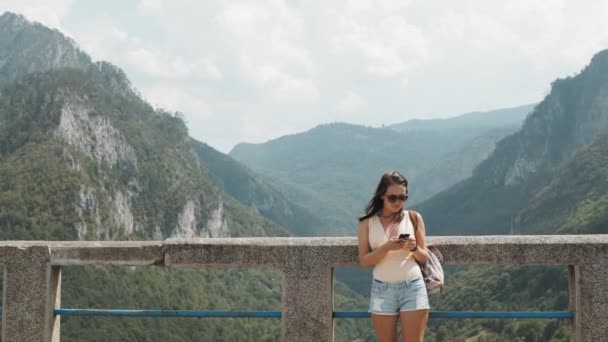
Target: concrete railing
32 274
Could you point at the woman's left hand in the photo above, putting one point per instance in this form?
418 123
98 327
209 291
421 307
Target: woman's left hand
410 243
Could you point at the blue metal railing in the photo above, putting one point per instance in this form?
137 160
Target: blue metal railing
474 314
169 313
336 314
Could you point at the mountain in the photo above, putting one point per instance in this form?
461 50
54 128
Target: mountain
571 117
250 189
27 47
76 128
76 133
332 169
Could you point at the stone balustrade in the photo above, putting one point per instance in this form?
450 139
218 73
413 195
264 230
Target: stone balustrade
32 274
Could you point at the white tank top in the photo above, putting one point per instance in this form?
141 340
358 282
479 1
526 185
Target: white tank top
396 265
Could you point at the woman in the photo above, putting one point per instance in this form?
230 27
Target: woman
398 289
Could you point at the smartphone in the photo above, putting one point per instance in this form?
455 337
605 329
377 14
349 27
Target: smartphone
404 236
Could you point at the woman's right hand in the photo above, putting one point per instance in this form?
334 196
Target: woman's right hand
394 244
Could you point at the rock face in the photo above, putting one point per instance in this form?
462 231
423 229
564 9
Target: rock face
93 134
187 223
86 204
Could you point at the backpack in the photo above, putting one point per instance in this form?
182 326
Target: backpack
432 271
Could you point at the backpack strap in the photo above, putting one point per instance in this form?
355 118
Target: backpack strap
414 219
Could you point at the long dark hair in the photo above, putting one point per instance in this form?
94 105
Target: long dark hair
376 204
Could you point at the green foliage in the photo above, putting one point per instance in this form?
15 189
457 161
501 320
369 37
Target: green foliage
575 201
37 194
159 288
510 288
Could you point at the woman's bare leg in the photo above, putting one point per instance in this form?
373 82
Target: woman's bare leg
413 324
386 327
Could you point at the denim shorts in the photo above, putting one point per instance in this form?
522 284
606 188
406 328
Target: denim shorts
391 298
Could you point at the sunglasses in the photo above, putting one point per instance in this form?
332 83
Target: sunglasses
394 198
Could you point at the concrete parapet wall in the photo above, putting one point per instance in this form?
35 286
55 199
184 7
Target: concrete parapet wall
307 265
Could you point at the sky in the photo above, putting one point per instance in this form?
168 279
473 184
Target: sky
252 71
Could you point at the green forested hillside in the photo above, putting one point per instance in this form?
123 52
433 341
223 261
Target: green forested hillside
159 288
250 189
152 169
575 201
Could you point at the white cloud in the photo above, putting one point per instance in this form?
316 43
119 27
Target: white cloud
389 44
209 69
534 31
353 102
158 64
118 34
150 5
266 35
174 98
131 52
298 63
279 85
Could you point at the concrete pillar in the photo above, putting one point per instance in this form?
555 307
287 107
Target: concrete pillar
307 302
573 302
31 293
591 299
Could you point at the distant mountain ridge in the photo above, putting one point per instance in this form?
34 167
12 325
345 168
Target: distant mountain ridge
331 170
473 121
